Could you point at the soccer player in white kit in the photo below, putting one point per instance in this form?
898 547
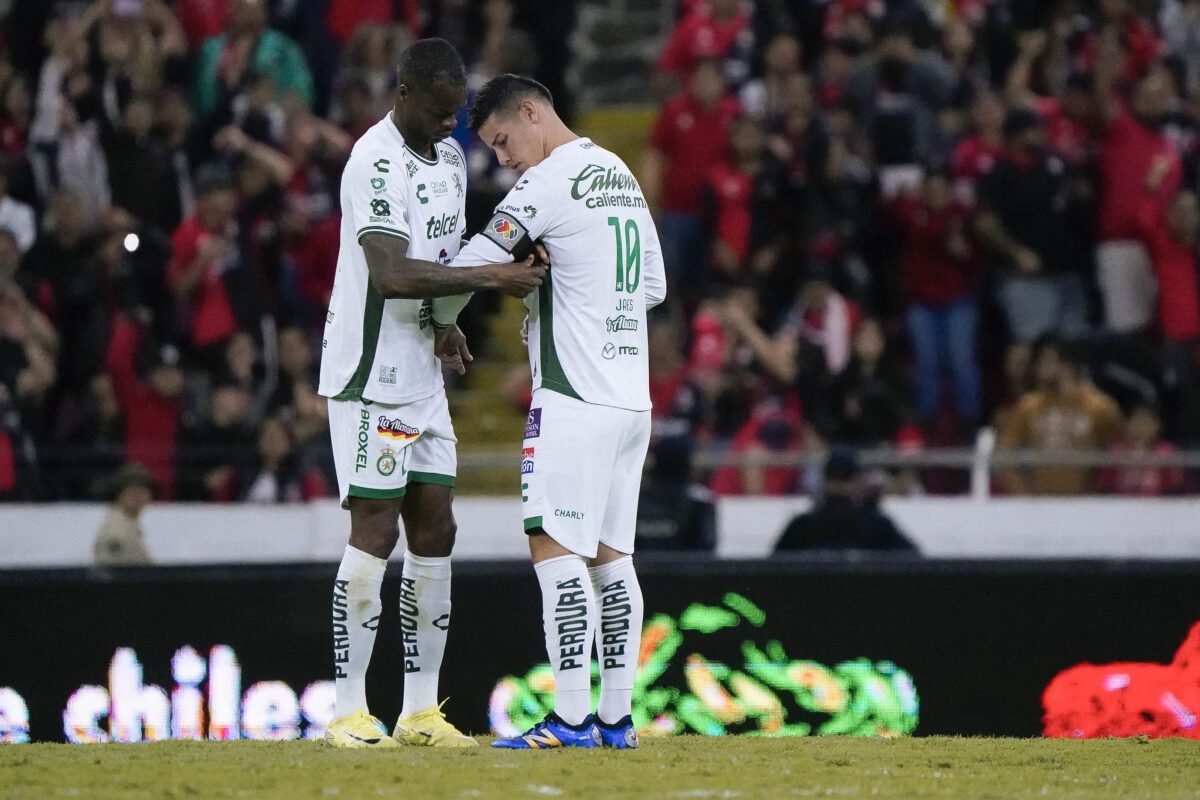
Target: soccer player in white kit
403 215
589 422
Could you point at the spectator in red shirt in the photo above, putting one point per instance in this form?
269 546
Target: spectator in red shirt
1130 145
729 196
204 249
939 262
1171 239
150 400
202 19
976 154
689 137
773 431
1172 244
709 31
1143 436
1068 115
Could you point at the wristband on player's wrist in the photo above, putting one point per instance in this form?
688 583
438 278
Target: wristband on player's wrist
437 326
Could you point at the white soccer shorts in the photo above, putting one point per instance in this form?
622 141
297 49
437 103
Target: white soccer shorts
581 472
378 449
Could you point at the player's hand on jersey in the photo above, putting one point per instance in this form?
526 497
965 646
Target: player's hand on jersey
541 254
450 345
518 278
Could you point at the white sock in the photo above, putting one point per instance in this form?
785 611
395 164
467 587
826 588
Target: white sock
424 621
356 609
569 622
619 598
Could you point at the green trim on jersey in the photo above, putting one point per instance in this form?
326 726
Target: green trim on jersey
532 522
435 478
553 377
423 159
372 319
375 494
379 229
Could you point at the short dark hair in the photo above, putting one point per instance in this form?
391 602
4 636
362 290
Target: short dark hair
504 93
430 61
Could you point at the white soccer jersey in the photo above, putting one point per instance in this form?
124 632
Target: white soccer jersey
377 349
587 322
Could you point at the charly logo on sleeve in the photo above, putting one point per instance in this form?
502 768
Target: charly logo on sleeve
382 165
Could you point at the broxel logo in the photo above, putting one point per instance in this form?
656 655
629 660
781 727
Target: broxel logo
364 424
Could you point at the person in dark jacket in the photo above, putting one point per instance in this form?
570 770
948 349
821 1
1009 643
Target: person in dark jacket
840 520
675 512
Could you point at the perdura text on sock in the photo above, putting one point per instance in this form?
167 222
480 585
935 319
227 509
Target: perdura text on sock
570 620
341 635
408 624
614 624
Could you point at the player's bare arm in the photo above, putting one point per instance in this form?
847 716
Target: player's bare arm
395 275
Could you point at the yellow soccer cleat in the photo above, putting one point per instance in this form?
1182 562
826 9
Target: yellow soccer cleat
359 729
429 728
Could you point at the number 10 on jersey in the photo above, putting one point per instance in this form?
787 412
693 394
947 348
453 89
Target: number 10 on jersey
629 254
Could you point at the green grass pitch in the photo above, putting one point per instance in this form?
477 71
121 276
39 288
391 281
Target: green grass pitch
662 769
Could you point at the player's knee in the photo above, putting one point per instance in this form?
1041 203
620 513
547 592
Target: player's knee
374 529
434 537
377 541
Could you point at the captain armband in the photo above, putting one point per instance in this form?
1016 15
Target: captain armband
510 235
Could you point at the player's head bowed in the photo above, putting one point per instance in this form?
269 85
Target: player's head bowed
431 87
515 116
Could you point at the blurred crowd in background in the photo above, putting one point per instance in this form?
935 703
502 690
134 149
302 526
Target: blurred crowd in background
890 224
169 177
886 224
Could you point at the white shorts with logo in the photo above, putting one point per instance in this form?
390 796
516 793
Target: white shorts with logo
581 472
378 449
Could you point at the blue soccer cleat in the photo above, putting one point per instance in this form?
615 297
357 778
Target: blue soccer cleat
621 734
552 732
